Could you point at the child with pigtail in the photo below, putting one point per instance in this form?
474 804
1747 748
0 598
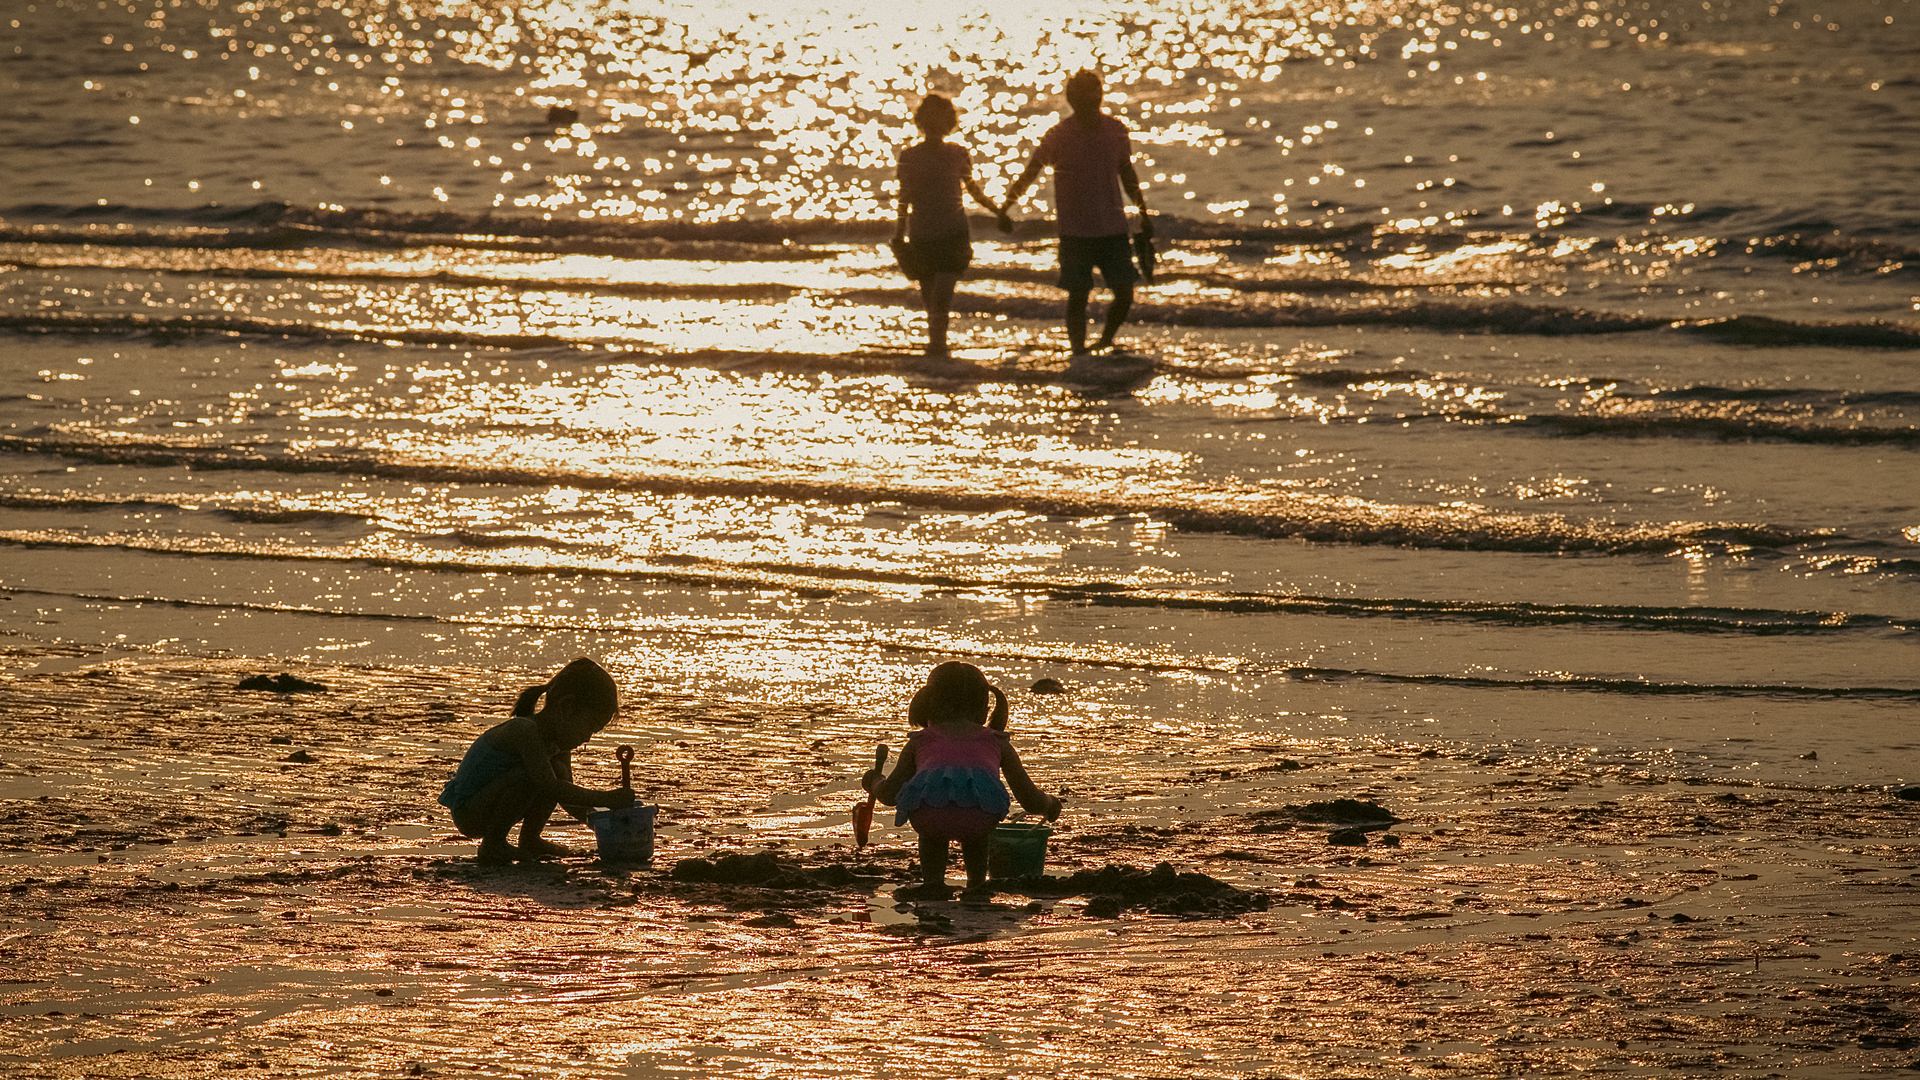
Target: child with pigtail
520 769
947 781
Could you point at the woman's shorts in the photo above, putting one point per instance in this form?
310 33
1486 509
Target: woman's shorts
924 256
953 822
1080 254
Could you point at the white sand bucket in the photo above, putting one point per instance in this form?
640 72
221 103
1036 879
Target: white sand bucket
625 837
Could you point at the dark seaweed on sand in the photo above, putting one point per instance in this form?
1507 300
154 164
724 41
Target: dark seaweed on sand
1160 891
282 683
1351 813
767 870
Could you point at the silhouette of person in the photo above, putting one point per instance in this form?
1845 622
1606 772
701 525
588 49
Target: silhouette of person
1092 160
930 236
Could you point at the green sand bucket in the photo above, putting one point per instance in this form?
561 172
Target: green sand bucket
1017 850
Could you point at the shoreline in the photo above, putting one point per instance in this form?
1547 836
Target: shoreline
1533 918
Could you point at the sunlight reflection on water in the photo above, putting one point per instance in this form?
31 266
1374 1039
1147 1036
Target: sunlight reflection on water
710 111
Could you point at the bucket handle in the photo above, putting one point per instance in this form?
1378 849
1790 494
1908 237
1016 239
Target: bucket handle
1023 817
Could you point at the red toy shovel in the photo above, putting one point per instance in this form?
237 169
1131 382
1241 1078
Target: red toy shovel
863 810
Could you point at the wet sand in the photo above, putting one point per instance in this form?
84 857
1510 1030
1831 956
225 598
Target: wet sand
199 880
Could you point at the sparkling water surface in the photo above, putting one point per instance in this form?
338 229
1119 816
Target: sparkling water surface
1555 359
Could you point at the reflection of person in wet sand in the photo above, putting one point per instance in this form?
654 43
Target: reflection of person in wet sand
1092 161
520 769
931 237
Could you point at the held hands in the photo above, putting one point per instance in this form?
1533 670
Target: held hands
1003 221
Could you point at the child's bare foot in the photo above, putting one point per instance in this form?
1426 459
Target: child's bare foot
926 890
494 853
541 848
977 894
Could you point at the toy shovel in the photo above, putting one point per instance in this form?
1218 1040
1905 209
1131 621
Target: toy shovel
863 810
625 754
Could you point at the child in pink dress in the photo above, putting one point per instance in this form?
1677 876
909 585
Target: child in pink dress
947 780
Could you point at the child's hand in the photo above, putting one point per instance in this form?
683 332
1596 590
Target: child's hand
1054 808
619 798
1004 222
870 779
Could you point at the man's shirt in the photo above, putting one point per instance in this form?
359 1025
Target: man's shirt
1086 159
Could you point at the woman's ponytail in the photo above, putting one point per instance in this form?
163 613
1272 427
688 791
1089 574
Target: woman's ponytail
528 699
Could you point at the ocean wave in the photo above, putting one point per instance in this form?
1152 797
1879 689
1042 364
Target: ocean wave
1564 682
1767 330
1785 395
436 226
871 361
1314 518
815 578
1858 254
1294 285
163 327
448 278
1767 232
1725 428
1601 685
1454 316
247 514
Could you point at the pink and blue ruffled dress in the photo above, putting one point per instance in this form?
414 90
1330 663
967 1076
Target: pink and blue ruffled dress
955 790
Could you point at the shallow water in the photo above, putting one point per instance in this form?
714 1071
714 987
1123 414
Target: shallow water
1530 385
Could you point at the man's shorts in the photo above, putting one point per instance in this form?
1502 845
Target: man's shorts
1080 254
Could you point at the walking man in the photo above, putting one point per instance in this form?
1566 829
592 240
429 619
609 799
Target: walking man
1092 161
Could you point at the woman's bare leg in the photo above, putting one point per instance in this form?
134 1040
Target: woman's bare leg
936 293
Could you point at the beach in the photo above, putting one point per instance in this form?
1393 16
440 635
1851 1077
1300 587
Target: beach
204 880
1481 594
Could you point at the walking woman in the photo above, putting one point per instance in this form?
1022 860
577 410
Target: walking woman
931 238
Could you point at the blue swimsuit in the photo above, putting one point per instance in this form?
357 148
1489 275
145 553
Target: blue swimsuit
483 764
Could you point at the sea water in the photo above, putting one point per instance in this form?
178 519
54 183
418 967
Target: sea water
1540 375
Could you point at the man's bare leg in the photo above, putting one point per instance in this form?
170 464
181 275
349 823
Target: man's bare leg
1116 314
1077 321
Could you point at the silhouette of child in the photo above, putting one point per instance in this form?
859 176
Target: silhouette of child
931 236
947 780
517 771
